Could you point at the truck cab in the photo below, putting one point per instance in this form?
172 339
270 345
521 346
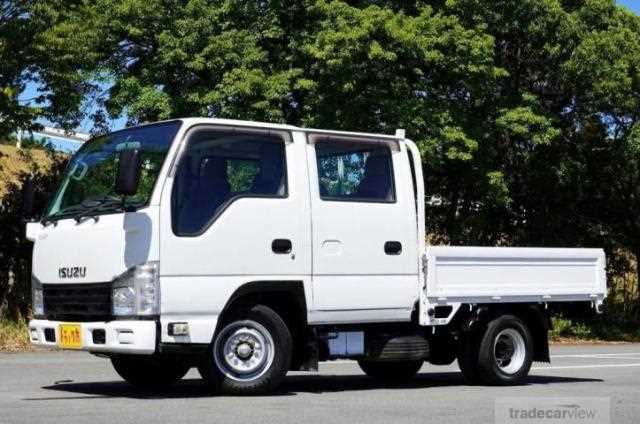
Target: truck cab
249 249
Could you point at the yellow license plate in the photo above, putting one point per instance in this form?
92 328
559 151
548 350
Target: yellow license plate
70 336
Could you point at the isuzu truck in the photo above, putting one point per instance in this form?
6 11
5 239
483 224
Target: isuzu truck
250 249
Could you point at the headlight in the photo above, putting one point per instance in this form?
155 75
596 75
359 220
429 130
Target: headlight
137 291
37 297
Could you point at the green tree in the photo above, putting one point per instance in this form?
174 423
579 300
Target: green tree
562 128
32 51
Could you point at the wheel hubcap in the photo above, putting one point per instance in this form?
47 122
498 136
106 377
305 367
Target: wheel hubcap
244 350
509 350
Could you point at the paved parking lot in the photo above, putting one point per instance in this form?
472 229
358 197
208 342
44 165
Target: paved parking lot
70 387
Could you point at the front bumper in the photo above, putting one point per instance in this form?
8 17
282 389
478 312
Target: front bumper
138 337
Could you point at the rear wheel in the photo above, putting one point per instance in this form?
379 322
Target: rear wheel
149 371
399 370
506 351
251 353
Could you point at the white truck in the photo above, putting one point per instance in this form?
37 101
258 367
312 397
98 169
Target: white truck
249 249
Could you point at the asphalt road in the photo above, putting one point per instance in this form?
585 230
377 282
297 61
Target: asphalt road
70 387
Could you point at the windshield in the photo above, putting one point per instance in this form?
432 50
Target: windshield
89 181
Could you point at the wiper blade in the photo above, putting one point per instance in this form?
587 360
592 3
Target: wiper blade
105 204
69 212
87 208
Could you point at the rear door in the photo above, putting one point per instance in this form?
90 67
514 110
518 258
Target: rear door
365 264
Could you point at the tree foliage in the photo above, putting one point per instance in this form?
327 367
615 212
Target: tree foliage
43 43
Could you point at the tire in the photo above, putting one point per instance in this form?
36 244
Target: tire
149 371
391 370
251 353
506 352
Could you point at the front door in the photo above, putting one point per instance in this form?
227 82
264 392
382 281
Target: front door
365 265
234 212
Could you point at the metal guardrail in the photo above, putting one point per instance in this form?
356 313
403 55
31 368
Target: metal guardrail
53 132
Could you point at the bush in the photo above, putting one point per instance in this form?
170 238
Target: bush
597 328
560 327
15 250
14 335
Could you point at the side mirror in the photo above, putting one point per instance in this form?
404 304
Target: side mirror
28 198
129 169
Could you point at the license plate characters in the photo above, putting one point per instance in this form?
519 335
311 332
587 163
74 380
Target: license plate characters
70 336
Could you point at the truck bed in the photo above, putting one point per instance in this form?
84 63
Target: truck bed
490 274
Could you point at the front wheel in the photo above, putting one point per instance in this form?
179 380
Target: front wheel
149 371
251 354
400 370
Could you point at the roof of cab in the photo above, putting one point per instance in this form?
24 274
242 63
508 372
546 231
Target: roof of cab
285 127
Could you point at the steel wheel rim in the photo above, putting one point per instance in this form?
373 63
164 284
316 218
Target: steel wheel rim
244 350
509 351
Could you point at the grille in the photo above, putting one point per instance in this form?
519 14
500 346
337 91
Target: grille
77 302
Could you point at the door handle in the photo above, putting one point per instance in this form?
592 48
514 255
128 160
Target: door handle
281 246
393 248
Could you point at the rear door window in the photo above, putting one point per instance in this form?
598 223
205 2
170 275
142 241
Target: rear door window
355 171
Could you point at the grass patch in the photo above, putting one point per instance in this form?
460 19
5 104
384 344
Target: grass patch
14 336
599 329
